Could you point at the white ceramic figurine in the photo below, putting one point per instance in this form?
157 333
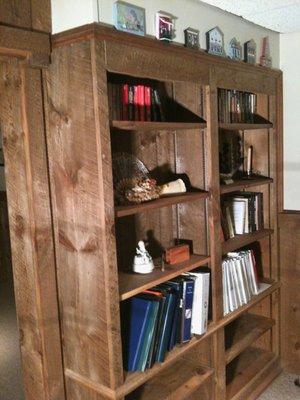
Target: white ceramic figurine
142 262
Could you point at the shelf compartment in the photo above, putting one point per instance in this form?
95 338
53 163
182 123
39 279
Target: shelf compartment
241 184
243 331
168 385
243 240
147 126
122 211
135 379
247 367
131 284
245 126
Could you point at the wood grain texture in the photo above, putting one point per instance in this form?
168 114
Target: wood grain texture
21 111
34 47
83 209
29 14
289 236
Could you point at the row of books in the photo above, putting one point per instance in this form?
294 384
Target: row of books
242 213
154 321
240 282
236 107
134 102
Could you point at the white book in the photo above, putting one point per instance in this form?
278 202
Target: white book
239 269
251 272
225 290
238 211
231 289
238 284
200 302
246 279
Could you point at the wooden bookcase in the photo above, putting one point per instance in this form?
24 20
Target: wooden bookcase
240 353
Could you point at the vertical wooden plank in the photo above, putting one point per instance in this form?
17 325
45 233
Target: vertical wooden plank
16 13
41 15
81 180
212 163
21 113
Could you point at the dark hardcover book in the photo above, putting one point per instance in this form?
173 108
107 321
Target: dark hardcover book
135 314
176 288
158 105
166 327
131 103
154 114
148 335
187 296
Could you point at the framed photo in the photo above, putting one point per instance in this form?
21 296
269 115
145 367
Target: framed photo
165 26
129 18
191 38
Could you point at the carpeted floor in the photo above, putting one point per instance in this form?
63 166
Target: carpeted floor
10 369
283 388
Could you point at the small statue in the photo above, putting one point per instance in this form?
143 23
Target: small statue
142 263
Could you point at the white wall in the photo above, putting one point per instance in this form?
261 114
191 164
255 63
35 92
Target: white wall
290 64
67 14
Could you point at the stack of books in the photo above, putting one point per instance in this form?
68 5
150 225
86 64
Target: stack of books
236 107
240 282
242 213
135 102
154 321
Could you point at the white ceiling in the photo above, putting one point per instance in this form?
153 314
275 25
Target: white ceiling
279 15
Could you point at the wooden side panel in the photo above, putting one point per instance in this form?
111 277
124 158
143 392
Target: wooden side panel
289 236
83 208
30 14
21 113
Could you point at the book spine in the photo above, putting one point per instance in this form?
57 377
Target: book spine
131 103
141 102
136 102
188 294
147 103
125 102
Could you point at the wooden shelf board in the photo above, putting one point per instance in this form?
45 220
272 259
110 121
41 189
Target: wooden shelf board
135 379
131 284
243 240
122 211
243 331
244 369
146 126
242 127
241 184
168 385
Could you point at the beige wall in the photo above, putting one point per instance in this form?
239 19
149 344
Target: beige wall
290 64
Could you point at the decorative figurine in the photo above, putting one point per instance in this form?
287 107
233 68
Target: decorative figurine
235 50
215 42
191 37
174 187
266 59
142 262
129 18
250 52
165 26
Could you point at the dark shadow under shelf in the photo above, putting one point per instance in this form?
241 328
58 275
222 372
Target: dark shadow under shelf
147 126
243 240
240 184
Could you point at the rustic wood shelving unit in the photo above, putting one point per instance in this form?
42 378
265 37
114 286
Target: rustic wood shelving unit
93 237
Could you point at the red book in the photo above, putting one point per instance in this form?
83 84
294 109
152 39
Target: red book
141 95
136 102
125 102
147 103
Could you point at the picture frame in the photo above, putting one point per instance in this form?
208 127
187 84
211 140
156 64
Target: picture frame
164 26
191 38
129 18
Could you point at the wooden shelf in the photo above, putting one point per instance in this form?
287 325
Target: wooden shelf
145 126
241 184
131 284
168 385
241 371
122 211
243 127
135 379
243 240
243 331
